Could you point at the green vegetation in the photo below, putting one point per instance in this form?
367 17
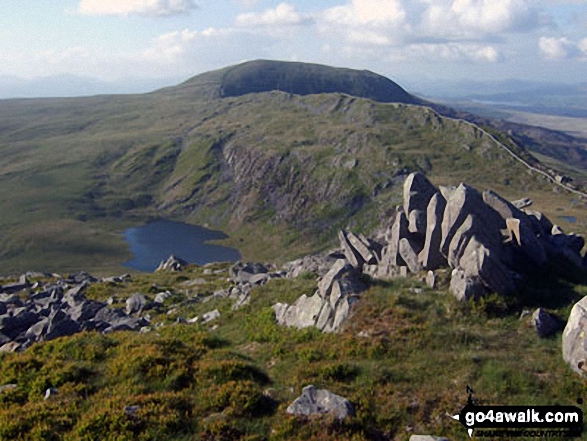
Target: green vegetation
279 173
404 360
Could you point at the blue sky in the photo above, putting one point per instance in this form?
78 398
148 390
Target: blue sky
409 41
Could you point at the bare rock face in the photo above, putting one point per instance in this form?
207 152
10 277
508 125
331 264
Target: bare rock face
463 202
390 257
575 338
417 193
464 287
409 255
321 401
430 257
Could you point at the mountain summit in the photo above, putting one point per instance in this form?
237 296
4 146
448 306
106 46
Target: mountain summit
300 79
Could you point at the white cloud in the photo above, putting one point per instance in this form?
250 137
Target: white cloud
557 48
152 8
282 15
476 18
169 47
453 52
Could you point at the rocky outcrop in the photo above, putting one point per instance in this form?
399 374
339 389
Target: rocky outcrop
321 401
329 306
60 309
575 338
172 264
490 244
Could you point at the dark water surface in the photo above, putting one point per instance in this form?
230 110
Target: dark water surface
154 242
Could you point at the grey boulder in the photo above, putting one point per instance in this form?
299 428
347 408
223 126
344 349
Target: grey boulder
321 401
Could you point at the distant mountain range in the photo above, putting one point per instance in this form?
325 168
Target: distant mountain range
73 86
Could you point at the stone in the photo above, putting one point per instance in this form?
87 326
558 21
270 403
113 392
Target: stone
51 392
321 401
209 316
162 296
479 262
340 267
462 203
10 347
431 279
522 203
326 317
575 338
343 310
302 314
540 223
84 311
519 227
61 328
362 246
351 255
430 257
259 279
545 324
135 303
172 263
390 257
409 255
464 287
6 387
417 192
13 325
242 272
417 222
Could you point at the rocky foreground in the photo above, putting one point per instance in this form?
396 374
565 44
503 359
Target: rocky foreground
486 244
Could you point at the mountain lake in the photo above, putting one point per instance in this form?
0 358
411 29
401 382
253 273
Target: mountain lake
156 241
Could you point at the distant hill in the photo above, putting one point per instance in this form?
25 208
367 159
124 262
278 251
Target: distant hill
307 79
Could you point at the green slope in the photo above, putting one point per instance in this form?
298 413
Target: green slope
279 172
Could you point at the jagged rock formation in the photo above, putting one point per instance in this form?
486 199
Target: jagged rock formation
41 312
319 401
172 264
330 305
489 243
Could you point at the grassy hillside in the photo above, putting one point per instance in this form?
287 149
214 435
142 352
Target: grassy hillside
404 361
278 172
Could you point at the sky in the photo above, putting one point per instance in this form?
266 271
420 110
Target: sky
412 42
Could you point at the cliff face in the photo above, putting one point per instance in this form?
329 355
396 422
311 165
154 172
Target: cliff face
307 165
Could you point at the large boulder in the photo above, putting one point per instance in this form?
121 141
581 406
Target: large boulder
302 314
463 202
390 257
321 401
575 338
479 262
340 268
545 323
409 255
243 272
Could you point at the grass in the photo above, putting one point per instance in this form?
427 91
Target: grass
404 360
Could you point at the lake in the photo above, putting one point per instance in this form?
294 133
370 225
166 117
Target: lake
156 241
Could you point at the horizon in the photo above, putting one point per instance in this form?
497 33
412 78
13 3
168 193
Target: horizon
140 45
